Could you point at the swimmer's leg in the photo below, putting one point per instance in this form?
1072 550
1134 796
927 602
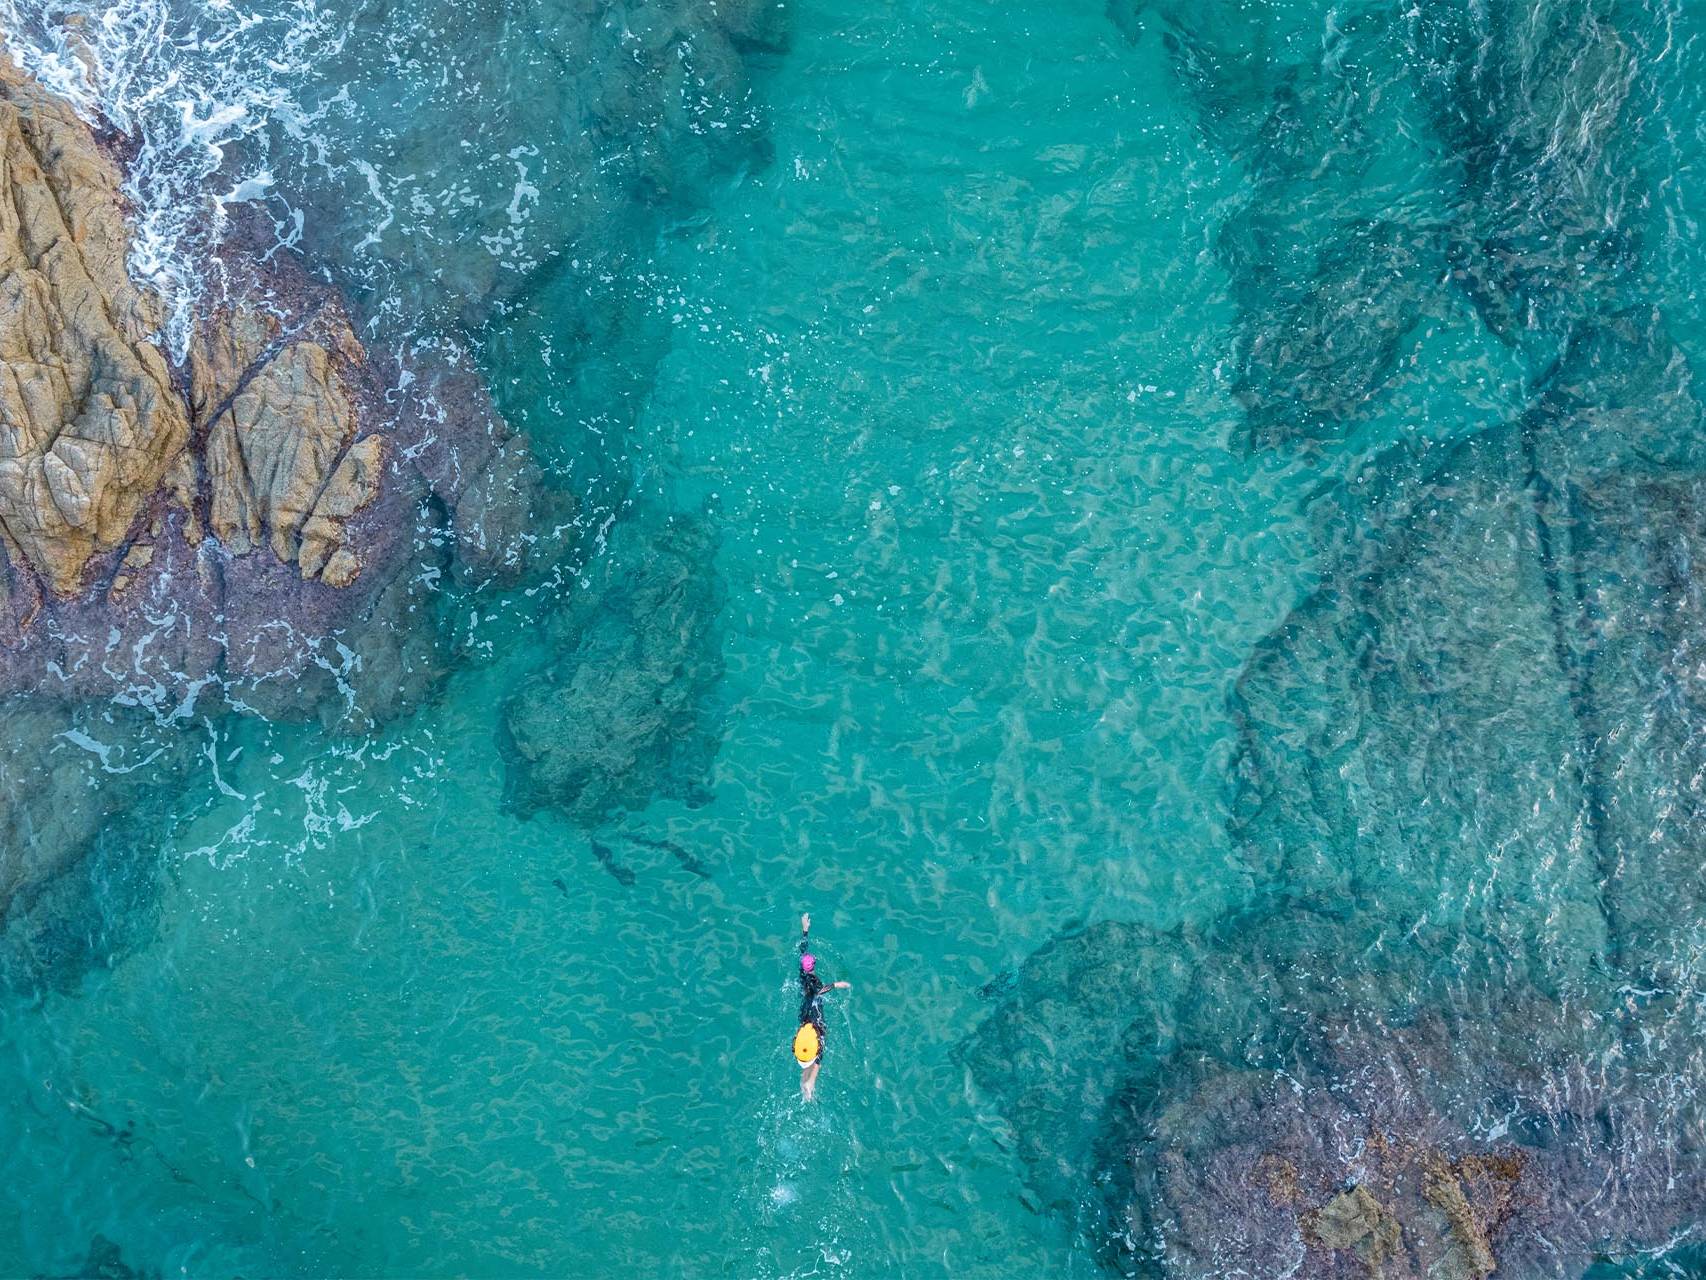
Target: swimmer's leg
808 1082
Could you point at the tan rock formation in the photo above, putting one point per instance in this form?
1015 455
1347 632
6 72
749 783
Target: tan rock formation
89 418
1355 1220
279 420
1447 1187
96 434
178 530
351 487
1422 1214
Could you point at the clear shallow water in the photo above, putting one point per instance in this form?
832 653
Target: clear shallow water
944 352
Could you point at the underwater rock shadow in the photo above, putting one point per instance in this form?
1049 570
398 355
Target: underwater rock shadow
625 711
1347 238
88 797
1336 241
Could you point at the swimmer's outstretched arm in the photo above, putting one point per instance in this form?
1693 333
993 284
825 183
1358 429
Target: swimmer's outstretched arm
805 932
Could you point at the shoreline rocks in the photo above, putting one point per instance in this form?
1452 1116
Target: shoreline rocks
169 527
264 527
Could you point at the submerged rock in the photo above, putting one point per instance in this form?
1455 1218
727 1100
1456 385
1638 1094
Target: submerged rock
84 798
1467 788
1217 1105
106 1262
624 711
1453 1033
1349 244
1393 1151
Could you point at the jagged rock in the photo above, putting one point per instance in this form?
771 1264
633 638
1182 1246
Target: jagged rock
353 485
1208 1108
279 408
229 517
1385 1176
1447 694
1447 1187
1354 1220
89 417
258 528
272 449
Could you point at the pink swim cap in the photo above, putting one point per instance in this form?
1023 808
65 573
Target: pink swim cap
808 963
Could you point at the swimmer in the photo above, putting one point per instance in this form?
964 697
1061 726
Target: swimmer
808 1040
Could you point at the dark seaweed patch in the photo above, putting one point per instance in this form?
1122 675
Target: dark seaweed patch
626 710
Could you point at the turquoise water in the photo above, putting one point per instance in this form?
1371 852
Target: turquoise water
995 393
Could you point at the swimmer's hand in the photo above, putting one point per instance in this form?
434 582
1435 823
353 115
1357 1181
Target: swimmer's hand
842 986
806 923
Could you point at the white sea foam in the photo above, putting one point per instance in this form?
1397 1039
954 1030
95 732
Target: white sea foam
231 102
198 84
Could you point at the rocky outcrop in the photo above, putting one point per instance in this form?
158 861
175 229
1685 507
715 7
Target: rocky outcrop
1354 1221
1453 1033
276 416
264 526
94 430
90 421
164 524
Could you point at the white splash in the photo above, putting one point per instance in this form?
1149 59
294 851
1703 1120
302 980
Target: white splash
198 85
